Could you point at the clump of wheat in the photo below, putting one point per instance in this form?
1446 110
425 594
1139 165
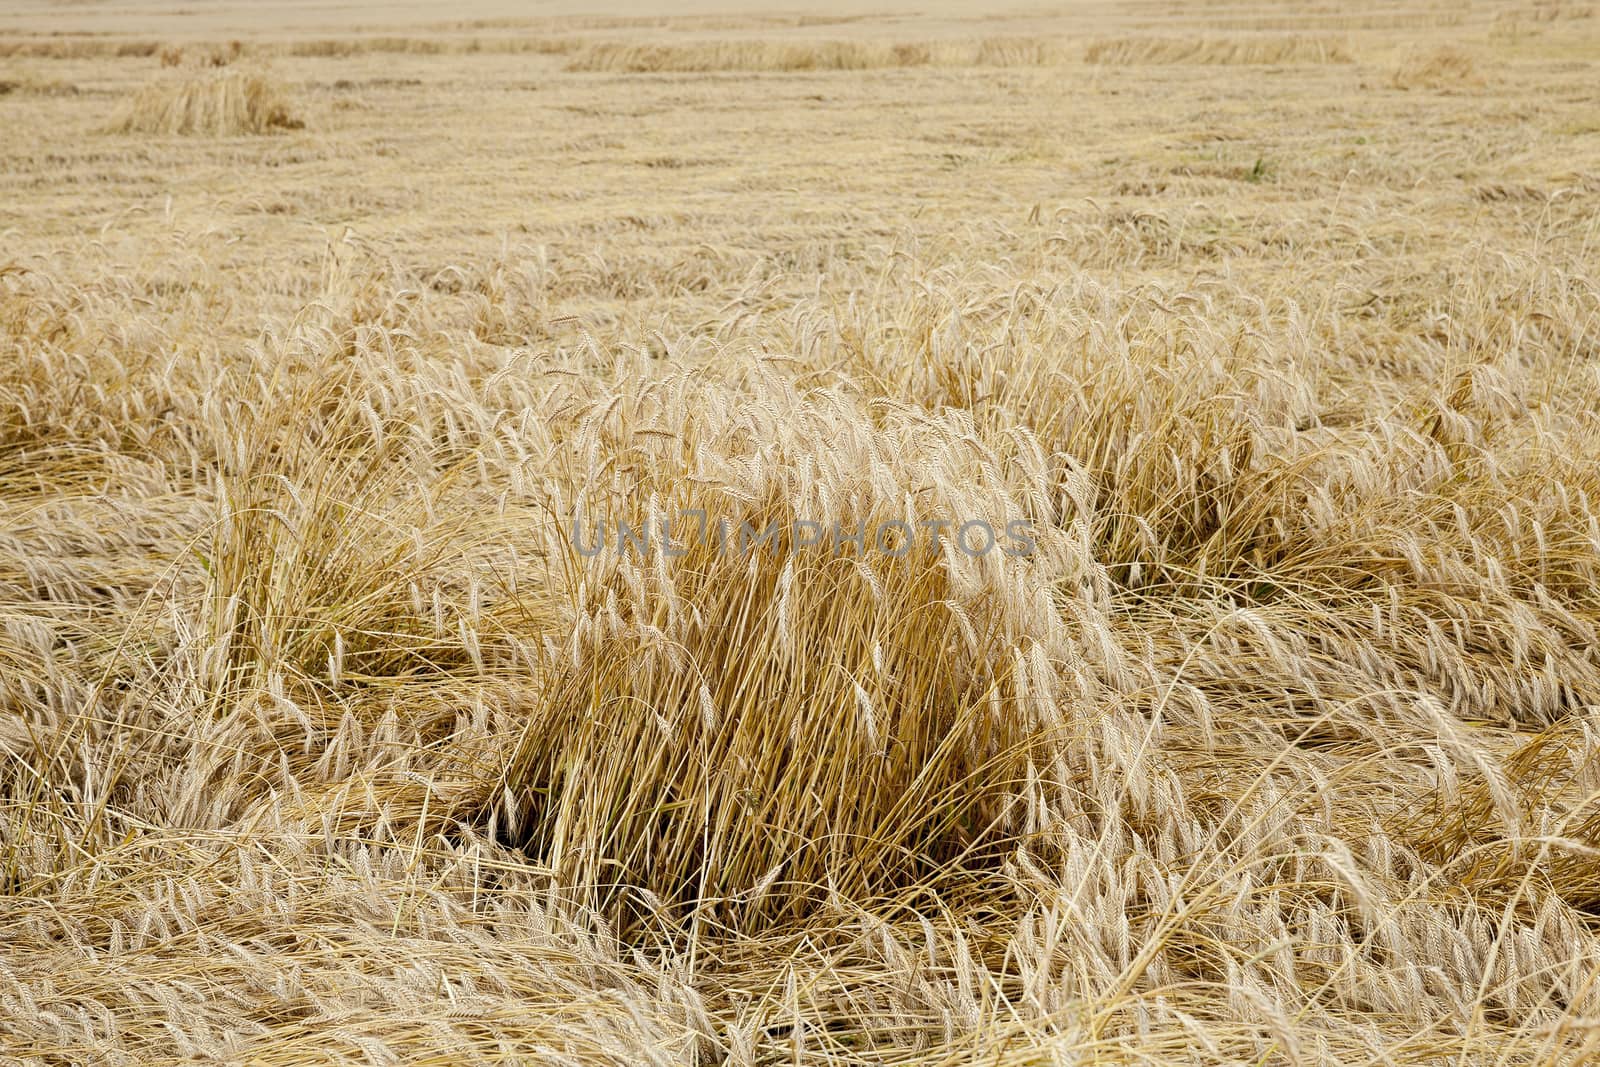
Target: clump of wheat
759 725
38 87
1218 51
764 55
201 55
74 46
1439 67
221 104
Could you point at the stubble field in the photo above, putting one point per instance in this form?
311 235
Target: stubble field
322 741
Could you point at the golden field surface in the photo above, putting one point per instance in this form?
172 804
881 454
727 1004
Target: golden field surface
322 740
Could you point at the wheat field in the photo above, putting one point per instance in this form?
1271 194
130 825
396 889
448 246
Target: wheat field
1264 338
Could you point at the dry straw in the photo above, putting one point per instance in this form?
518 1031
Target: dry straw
778 56
1218 51
225 103
1440 67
